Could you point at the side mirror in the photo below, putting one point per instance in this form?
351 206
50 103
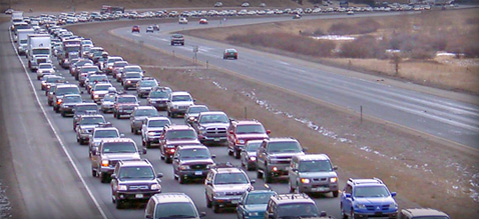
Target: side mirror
160 175
253 181
305 150
194 100
209 183
122 135
202 214
144 150
113 176
231 132
294 170
81 92
213 156
348 195
393 194
268 132
335 168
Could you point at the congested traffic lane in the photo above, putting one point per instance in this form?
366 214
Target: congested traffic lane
102 192
441 117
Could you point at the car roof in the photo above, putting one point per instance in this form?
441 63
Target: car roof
280 139
309 157
66 85
71 95
228 170
113 140
135 163
179 93
105 128
86 104
292 198
172 197
127 95
418 212
212 113
365 182
247 122
192 147
179 127
145 107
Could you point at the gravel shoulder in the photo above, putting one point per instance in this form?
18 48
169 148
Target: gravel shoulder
425 172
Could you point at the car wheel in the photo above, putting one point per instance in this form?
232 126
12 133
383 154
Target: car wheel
267 177
343 215
208 202
93 172
117 115
104 178
64 114
132 130
50 103
236 154
181 180
119 204
216 208
57 109
38 77
167 159
148 144
335 194
259 175
291 189
230 153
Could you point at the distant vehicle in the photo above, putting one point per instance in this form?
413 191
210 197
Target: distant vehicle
253 204
152 129
183 20
212 127
262 5
173 136
177 39
124 105
350 13
150 29
292 206
139 116
422 213
9 11
192 113
240 132
245 4
85 126
158 97
203 21
297 16
156 27
191 163
178 103
136 29
230 53
172 205
218 4
248 154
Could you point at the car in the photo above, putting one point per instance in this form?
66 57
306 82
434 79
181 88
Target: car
183 20
211 127
117 68
109 153
99 91
124 105
225 185
230 53
82 109
248 154
152 129
218 4
422 213
203 21
130 79
156 27
240 132
292 206
262 5
100 132
45 69
191 163
253 203
192 113
121 72
177 39
144 86
350 13
172 137
75 69
93 79
274 156
134 181
297 16
367 197
172 205
245 4
158 97
313 173
107 102
68 103
85 126
84 72
60 91
139 116
178 102
108 64
136 29
150 29
48 80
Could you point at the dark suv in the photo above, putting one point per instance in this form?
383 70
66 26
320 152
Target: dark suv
191 162
134 180
292 206
274 156
172 137
124 105
240 132
177 39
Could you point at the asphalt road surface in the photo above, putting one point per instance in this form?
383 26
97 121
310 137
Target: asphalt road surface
445 118
28 122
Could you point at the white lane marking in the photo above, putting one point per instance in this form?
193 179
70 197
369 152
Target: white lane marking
56 133
284 63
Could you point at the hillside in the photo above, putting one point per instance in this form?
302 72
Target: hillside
81 5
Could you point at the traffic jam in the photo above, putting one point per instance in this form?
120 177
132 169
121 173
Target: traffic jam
95 89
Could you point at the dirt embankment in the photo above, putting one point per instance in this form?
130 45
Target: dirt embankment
423 171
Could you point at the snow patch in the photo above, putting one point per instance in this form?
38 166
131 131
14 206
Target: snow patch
4 204
334 37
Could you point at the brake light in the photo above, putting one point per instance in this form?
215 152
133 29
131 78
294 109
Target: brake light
105 163
59 101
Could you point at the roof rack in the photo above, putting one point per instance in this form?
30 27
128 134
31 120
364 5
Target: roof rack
224 165
292 196
105 125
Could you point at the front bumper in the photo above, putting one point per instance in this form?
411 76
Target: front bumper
227 201
278 170
136 195
84 136
193 174
108 169
365 213
212 139
318 187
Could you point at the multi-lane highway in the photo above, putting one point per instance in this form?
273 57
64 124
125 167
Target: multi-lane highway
427 113
36 139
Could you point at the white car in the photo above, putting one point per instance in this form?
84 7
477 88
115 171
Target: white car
178 103
45 69
183 20
245 4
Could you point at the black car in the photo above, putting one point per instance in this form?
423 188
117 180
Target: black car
191 162
82 109
177 39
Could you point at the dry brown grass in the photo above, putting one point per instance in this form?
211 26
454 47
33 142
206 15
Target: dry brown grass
419 35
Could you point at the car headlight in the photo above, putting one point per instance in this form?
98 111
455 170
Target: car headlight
105 163
191 118
253 214
84 131
175 107
184 167
333 179
151 133
155 187
393 206
209 166
305 180
96 96
361 206
240 141
252 158
122 188
129 82
219 194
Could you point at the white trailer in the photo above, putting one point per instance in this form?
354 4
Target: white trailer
38 50
22 41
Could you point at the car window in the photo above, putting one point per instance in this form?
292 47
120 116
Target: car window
92 120
244 129
136 173
175 210
315 166
297 210
127 100
158 123
148 83
102 87
158 94
146 112
133 75
106 134
72 99
67 90
180 134
194 153
119 147
258 199
230 178
371 191
197 109
251 147
220 118
284 147
80 109
181 98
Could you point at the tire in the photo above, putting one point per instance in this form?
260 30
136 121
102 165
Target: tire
236 154
167 160
230 153
181 180
335 194
50 103
148 144
119 204
259 175
38 77
117 116
291 189
64 114
57 109
132 130
104 178
267 177
208 203
93 172
216 208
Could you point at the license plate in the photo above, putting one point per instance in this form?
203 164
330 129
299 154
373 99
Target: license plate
128 111
198 173
217 139
319 189
138 195
234 201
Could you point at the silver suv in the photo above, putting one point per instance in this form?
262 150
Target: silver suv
313 173
152 129
178 103
274 156
292 206
211 127
225 185
172 205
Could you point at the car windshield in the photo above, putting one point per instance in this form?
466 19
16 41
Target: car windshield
84 108
148 83
371 191
72 99
84 62
106 134
231 178
146 112
315 166
158 123
45 66
431 217
133 69
297 210
197 109
67 90
284 147
92 120
175 210
181 134
88 69
195 153
54 79
102 87
121 64
114 60
138 173
177 36
158 94
41 51
258 198
97 78
119 147
253 129
127 100
252 147
133 75
181 98
219 118
109 98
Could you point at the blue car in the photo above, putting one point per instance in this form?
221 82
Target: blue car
253 204
366 198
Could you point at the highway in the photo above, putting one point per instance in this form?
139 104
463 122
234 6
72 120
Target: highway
47 154
438 116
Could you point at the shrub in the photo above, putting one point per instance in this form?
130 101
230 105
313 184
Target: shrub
362 47
363 26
